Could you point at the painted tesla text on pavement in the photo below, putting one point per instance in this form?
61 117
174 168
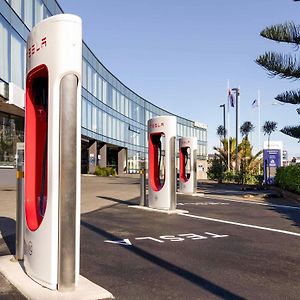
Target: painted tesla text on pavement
169 238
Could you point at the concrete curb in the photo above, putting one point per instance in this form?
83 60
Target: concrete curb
193 194
263 195
287 194
13 272
276 192
164 211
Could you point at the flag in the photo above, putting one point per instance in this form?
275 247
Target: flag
255 103
231 100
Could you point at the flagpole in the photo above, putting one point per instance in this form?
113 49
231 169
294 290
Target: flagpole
258 99
259 147
228 129
237 127
237 92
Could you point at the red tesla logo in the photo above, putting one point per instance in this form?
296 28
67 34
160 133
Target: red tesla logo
156 125
36 47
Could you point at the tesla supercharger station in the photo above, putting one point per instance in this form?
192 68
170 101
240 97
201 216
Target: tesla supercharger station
188 165
52 152
162 160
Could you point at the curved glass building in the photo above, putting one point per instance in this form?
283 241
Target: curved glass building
114 117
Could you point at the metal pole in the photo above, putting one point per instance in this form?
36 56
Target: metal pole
224 122
143 184
20 212
237 128
67 254
258 126
228 133
173 174
228 141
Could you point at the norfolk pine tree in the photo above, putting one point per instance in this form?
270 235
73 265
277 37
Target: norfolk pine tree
284 65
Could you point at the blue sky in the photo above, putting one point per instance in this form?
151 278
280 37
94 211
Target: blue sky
179 54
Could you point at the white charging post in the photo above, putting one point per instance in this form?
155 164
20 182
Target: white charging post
162 160
188 165
52 152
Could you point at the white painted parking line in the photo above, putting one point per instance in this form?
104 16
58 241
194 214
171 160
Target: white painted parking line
254 202
241 224
202 203
124 242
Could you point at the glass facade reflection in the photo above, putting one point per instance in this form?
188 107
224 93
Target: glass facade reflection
113 116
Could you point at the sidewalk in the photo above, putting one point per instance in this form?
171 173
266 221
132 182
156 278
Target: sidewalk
96 193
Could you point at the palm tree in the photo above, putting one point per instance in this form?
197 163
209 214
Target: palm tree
246 128
222 153
268 128
221 132
253 163
244 149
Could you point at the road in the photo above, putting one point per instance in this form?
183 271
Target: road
221 249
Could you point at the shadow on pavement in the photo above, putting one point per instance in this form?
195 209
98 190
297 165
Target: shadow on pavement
7 230
125 183
287 213
118 201
187 275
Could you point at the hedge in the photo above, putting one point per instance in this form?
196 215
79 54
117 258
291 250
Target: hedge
107 171
288 178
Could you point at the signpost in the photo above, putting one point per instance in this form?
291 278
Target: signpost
272 159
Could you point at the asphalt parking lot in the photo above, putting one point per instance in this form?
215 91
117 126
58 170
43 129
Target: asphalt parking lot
226 246
221 249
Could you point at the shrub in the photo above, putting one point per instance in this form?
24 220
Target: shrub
101 172
229 176
259 179
248 178
104 172
239 177
111 171
217 170
288 178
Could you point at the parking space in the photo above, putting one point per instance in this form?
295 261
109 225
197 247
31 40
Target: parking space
221 249
282 217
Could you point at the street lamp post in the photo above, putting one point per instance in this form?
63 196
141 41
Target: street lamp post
237 93
225 134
